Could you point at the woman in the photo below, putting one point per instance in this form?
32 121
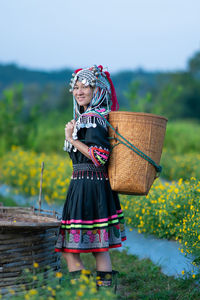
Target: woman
92 219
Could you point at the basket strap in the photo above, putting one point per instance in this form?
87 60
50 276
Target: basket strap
132 147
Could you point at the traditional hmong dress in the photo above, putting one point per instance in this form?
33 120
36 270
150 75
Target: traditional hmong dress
92 219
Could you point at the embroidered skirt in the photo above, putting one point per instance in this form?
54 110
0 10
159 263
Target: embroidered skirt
92 219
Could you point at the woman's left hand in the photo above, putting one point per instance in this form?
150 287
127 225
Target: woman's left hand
69 128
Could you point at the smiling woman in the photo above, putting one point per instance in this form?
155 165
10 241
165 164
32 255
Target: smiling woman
92 219
83 94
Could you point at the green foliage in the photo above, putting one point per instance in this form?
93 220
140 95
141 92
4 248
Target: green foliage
47 134
182 137
138 103
180 157
32 126
180 166
12 129
194 64
166 101
175 95
7 201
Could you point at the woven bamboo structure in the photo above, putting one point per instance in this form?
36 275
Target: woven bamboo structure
27 235
128 172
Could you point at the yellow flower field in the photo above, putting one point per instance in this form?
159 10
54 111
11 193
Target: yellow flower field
171 210
22 169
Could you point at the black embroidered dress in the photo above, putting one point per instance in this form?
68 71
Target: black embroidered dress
92 219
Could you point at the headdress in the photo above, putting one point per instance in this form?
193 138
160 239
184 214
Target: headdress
104 97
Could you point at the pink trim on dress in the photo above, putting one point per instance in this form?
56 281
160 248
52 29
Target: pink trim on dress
89 222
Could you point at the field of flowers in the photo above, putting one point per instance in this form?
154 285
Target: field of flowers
171 210
21 169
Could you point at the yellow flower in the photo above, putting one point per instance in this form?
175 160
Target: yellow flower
13 147
99 282
12 292
35 265
79 293
59 275
93 290
193 276
182 272
86 272
82 287
73 281
26 297
33 292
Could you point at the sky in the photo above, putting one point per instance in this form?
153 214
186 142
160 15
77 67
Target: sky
120 35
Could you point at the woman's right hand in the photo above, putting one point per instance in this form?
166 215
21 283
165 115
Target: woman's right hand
69 128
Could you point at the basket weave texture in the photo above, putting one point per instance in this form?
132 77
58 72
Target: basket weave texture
128 172
26 236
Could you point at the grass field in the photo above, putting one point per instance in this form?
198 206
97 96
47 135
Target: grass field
138 279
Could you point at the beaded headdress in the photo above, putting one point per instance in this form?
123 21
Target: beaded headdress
104 97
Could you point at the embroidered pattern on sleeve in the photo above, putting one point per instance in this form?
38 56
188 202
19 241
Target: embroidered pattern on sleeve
98 155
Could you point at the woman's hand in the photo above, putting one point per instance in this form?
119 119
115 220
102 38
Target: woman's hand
83 148
69 128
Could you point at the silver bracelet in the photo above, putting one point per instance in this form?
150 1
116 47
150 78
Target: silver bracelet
67 146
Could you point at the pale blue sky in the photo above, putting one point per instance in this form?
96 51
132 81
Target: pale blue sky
49 34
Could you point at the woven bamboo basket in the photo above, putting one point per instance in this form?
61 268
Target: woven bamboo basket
27 235
128 172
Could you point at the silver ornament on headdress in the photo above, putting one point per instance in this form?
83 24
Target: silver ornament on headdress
90 76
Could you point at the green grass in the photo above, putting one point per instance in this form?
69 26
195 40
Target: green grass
7 201
182 137
138 279
182 166
141 279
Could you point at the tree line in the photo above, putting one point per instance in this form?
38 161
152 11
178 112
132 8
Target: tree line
31 101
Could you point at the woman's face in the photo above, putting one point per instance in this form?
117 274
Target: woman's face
83 94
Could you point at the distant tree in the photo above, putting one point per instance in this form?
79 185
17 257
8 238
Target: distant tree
194 65
167 101
179 97
12 129
137 102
